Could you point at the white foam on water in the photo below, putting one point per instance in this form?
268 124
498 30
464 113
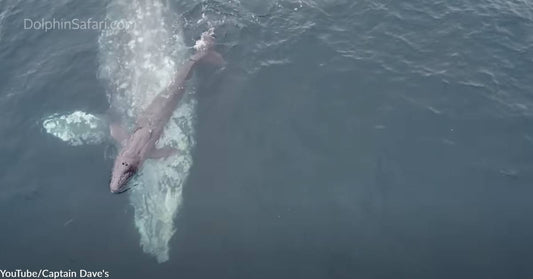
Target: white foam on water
77 128
137 64
3 15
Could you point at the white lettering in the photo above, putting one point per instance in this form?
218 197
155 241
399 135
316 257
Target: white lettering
26 27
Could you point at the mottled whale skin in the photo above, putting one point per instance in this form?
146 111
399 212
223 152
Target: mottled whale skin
138 146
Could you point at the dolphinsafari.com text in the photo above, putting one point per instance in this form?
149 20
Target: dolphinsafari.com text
76 24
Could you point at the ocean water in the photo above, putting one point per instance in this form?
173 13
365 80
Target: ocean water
342 139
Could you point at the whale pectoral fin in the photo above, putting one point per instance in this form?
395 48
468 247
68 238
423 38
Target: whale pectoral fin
118 132
158 153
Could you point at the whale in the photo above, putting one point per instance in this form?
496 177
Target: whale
133 66
139 145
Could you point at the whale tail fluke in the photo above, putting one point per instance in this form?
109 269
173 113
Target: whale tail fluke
206 41
204 49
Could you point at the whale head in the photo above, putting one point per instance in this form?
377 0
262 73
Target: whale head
124 169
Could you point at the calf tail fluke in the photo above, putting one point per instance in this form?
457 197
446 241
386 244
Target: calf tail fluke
205 52
206 41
